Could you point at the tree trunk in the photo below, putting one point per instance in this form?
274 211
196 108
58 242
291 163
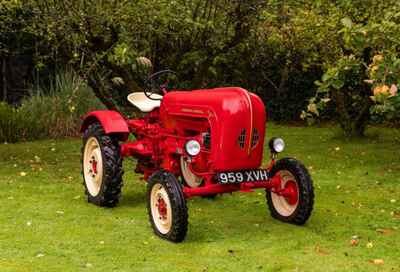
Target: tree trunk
101 93
4 79
352 127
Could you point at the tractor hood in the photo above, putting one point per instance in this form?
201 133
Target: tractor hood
236 119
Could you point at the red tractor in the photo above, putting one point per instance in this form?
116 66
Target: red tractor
191 143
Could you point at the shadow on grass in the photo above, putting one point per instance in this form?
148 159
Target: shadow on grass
133 199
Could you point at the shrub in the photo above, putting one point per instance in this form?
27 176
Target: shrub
345 83
53 112
384 76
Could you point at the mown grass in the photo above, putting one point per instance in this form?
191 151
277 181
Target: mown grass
47 225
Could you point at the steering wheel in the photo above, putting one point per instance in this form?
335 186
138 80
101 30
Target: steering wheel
153 85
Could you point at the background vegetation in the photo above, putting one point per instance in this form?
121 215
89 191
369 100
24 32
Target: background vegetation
49 113
318 60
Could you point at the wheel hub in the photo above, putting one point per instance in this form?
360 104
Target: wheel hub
285 197
93 162
162 208
93 166
291 192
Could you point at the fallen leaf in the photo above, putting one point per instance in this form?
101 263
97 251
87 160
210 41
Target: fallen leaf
377 261
395 214
321 251
384 231
354 242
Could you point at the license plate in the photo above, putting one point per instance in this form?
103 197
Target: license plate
243 176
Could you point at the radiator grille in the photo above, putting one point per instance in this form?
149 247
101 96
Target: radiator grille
242 139
255 138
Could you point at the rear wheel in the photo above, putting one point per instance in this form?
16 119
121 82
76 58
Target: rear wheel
188 176
101 167
296 203
166 207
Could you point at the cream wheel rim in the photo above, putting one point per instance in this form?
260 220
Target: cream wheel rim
190 178
161 208
281 204
93 166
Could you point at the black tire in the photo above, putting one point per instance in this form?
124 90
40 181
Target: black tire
111 181
305 200
177 230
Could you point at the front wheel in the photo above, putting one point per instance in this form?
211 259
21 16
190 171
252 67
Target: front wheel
296 203
166 206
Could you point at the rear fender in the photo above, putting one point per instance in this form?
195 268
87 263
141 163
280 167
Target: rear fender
111 121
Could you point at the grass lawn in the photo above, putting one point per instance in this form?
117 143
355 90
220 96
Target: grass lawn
47 225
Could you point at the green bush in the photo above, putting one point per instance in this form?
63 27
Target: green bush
49 113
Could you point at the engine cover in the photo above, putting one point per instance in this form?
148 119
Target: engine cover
236 119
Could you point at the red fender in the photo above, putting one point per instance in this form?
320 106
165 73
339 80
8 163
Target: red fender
111 121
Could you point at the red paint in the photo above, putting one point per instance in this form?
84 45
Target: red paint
94 166
160 137
162 208
227 111
111 121
291 192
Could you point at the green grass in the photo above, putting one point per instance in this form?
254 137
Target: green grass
47 225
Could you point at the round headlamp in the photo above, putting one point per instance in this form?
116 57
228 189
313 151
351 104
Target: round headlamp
192 147
276 145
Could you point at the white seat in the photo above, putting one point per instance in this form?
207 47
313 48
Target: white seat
143 103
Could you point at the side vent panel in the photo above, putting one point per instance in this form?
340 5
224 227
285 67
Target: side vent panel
255 138
242 139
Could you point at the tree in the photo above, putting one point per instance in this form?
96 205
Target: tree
345 83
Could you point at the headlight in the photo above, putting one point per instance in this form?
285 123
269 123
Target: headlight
276 145
192 147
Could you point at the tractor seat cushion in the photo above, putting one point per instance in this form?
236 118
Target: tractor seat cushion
143 103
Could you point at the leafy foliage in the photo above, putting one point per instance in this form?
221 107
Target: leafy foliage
384 74
345 83
48 113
